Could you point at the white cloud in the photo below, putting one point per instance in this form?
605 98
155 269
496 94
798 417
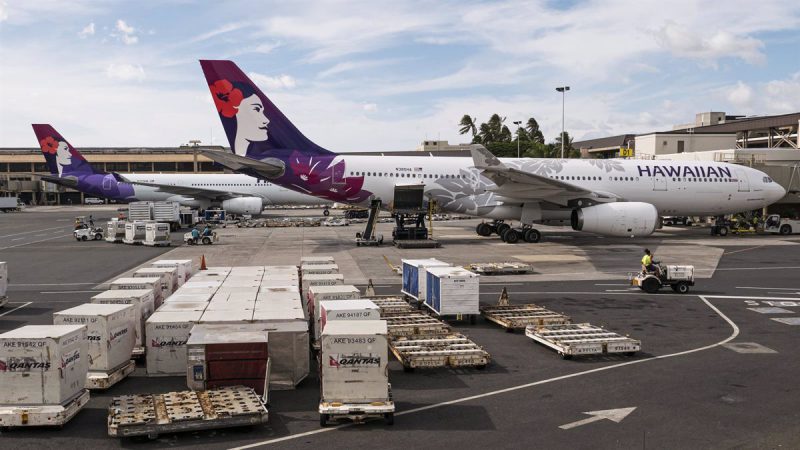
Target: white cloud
125 72
740 95
272 83
87 31
370 107
3 11
128 33
684 42
226 28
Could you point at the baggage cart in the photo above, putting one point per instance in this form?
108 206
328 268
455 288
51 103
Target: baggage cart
414 323
154 414
392 305
100 380
504 268
115 231
157 235
453 350
582 339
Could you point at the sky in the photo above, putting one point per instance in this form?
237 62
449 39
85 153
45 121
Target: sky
385 75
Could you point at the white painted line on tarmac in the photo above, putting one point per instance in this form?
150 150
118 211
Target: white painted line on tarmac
18 307
69 292
50 284
29 232
611 284
768 288
750 297
17 239
34 242
733 335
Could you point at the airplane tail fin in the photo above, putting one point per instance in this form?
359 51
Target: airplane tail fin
62 159
255 127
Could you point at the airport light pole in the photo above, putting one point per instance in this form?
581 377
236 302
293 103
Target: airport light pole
517 123
563 90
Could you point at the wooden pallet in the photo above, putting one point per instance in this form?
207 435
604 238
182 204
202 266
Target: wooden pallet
451 350
392 305
513 317
582 339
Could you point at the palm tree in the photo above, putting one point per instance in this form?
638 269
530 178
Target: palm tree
485 135
535 134
496 125
468 124
505 134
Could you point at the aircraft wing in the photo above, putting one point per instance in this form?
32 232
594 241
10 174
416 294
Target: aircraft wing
189 191
520 185
269 168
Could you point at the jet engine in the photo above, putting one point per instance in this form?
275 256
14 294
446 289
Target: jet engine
243 205
616 219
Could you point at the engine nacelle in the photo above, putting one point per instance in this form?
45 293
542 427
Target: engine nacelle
243 205
616 219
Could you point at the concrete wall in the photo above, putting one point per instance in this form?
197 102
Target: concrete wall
659 144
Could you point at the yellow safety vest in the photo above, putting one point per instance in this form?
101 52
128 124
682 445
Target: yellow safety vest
646 260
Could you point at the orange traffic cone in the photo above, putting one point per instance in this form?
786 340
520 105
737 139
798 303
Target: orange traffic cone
203 263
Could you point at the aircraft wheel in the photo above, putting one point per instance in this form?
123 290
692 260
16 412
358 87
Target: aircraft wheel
532 235
483 229
510 236
501 228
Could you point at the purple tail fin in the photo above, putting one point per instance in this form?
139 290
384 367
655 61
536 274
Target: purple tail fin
62 159
254 125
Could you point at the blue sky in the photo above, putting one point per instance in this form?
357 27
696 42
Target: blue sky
372 75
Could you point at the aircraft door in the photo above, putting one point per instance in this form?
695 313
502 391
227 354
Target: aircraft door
337 174
107 183
744 182
659 183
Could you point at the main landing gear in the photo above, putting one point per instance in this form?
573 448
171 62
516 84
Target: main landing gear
508 234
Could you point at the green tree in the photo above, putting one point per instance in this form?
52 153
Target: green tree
569 151
534 133
468 125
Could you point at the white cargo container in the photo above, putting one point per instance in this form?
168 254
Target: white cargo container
326 279
157 235
167 333
354 376
140 211
134 232
170 275
152 283
235 315
183 306
184 266
453 291
43 364
309 269
278 294
203 283
346 310
115 231
190 295
318 294
168 213
142 301
311 260
287 326
415 276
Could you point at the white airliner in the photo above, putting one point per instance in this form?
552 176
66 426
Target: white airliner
611 196
235 193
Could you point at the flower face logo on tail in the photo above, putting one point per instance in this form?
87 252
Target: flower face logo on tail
226 98
49 145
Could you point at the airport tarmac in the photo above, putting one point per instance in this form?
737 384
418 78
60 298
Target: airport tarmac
717 367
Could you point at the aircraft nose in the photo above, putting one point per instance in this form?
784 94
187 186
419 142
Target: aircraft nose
777 192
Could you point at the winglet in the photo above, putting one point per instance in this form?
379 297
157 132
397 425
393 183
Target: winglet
483 158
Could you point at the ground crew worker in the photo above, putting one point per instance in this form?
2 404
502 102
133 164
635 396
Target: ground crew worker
195 235
647 260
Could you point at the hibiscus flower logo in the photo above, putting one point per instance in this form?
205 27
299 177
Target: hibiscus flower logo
49 145
226 97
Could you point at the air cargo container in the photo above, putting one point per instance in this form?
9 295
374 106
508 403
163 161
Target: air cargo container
165 284
168 213
311 269
453 291
327 279
184 266
345 310
190 295
183 306
157 235
415 276
312 260
142 301
140 211
111 333
317 294
278 294
43 364
44 369
115 231
134 232
153 283
287 326
170 275
354 377
167 333
230 316
217 356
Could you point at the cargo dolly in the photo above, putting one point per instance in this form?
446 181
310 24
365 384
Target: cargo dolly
357 412
582 339
514 317
42 415
454 350
505 268
104 380
414 324
153 414
392 305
